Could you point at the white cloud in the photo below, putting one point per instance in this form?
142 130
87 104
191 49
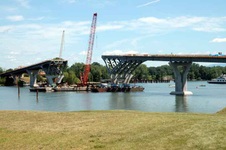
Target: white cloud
219 40
149 3
209 29
8 9
157 25
151 20
71 1
83 53
24 3
15 18
109 27
120 52
5 29
43 40
14 53
36 19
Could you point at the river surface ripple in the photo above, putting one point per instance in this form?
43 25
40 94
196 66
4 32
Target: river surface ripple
155 98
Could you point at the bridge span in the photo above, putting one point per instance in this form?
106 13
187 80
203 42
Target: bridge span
122 66
52 68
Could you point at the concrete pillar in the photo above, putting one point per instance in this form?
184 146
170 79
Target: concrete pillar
33 77
15 79
59 79
114 78
180 77
50 79
128 78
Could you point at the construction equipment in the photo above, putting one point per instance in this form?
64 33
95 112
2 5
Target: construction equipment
62 45
85 74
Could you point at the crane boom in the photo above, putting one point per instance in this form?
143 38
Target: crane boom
84 78
91 39
62 45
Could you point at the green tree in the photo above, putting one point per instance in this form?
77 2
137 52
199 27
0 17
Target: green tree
2 81
40 78
95 74
8 70
70 78
1 70
77 68
158 73
98 72
141 72
152 72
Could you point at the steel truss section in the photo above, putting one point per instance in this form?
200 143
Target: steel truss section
121 68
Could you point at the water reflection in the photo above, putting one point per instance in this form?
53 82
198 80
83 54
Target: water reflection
87 101
155 98
181 104
120 101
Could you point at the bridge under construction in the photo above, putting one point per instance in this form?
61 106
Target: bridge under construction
122 66
52 68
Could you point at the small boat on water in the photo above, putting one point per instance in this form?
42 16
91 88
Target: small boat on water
220 80
172 85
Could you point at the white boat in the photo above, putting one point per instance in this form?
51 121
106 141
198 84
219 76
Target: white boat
219 80
171 85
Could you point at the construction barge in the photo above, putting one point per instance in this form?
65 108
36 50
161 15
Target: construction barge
71 88
117 88
92 88
59 89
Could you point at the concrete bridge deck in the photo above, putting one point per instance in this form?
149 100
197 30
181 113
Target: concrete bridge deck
53 68
36 66
169 57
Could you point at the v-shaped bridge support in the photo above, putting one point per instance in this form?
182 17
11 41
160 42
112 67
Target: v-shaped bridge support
121 68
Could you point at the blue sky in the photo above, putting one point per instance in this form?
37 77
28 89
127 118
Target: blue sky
31 30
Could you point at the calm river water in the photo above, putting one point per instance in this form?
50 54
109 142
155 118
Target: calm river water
155 98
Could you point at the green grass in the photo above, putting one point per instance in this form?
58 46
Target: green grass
112 130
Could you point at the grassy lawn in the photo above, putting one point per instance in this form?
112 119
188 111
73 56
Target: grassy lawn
112 130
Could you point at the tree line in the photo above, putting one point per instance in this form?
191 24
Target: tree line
141 73
196 72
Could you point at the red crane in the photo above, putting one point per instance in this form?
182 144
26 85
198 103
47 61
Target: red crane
84 77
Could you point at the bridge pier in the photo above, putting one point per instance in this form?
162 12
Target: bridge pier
60 78
50 79
33 77
180 77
